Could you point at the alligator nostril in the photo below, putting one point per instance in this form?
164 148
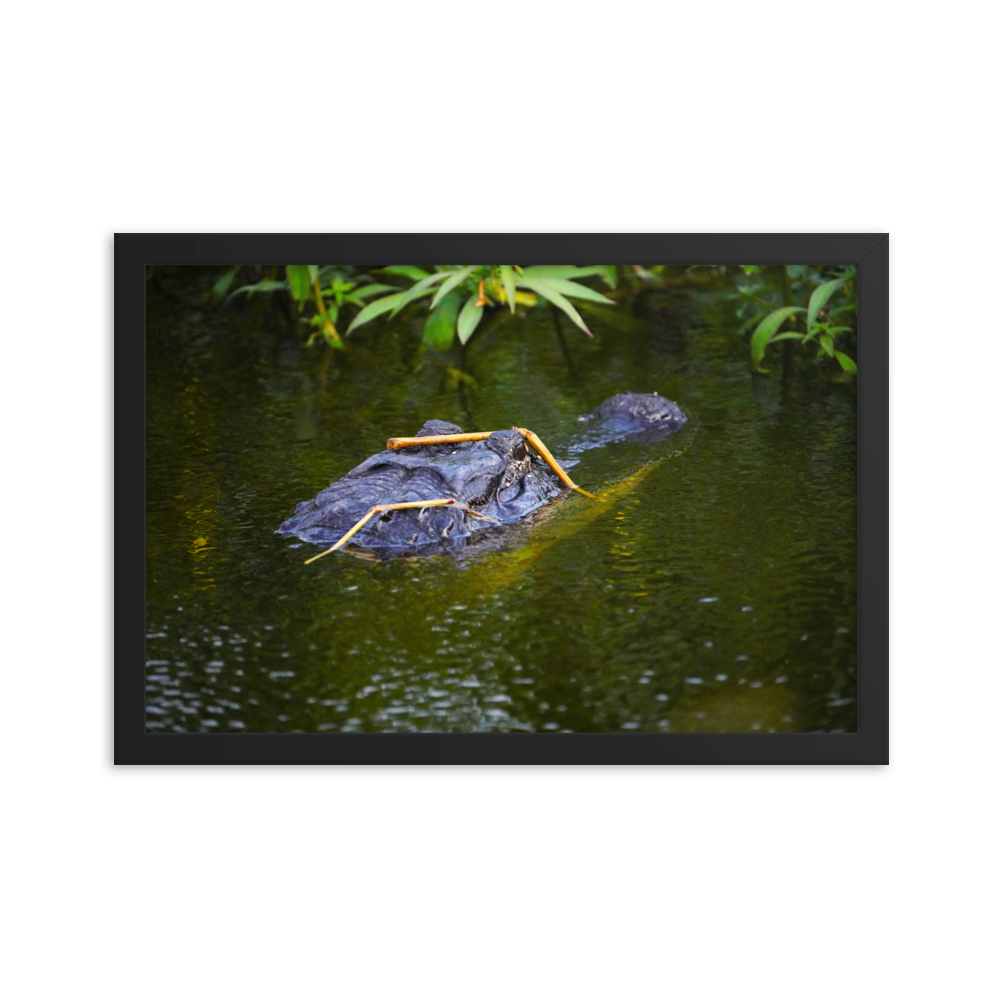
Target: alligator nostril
520 452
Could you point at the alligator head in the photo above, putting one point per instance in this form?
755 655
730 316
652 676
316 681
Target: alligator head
493 480
632 415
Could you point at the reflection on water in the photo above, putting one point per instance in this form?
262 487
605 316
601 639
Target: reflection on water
714 589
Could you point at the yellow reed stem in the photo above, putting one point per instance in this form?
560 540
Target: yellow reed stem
379 509
437 439
536 442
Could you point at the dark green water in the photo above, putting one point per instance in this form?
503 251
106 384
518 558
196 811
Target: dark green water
718 595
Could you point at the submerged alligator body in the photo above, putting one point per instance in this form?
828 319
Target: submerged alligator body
494 481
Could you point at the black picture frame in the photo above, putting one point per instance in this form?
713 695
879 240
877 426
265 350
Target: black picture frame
869 745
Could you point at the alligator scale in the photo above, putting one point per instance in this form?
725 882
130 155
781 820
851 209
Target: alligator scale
442 486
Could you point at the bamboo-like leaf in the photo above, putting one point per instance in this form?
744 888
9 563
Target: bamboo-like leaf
380 306
439 330
766 330
574 291
220 288
299 281
261 286
313 272
845 362
608 273
424 285
374 309
554 296
509 284
563 271
367 291
786 336
644 274
468 318
826 342
452 281
405 271
819 298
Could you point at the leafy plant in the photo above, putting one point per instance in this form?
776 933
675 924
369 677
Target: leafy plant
459 294
325 289
821 326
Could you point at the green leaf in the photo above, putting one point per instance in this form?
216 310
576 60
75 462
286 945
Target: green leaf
262 286
374 309
468 318
220 288
299 281
439 330
849 308
786 336
554 296
574 291
767 329
509 284
453 280
319 319
563 271
608 274
405 271
644 274
751 268
367 291
819 298
313 272
826 342
845 362
423 286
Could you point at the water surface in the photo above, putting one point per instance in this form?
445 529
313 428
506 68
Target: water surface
717 593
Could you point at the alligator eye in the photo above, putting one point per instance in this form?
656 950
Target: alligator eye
520 452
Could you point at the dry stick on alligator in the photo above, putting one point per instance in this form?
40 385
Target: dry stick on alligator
446 484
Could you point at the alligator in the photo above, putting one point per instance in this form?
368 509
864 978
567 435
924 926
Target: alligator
444 490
